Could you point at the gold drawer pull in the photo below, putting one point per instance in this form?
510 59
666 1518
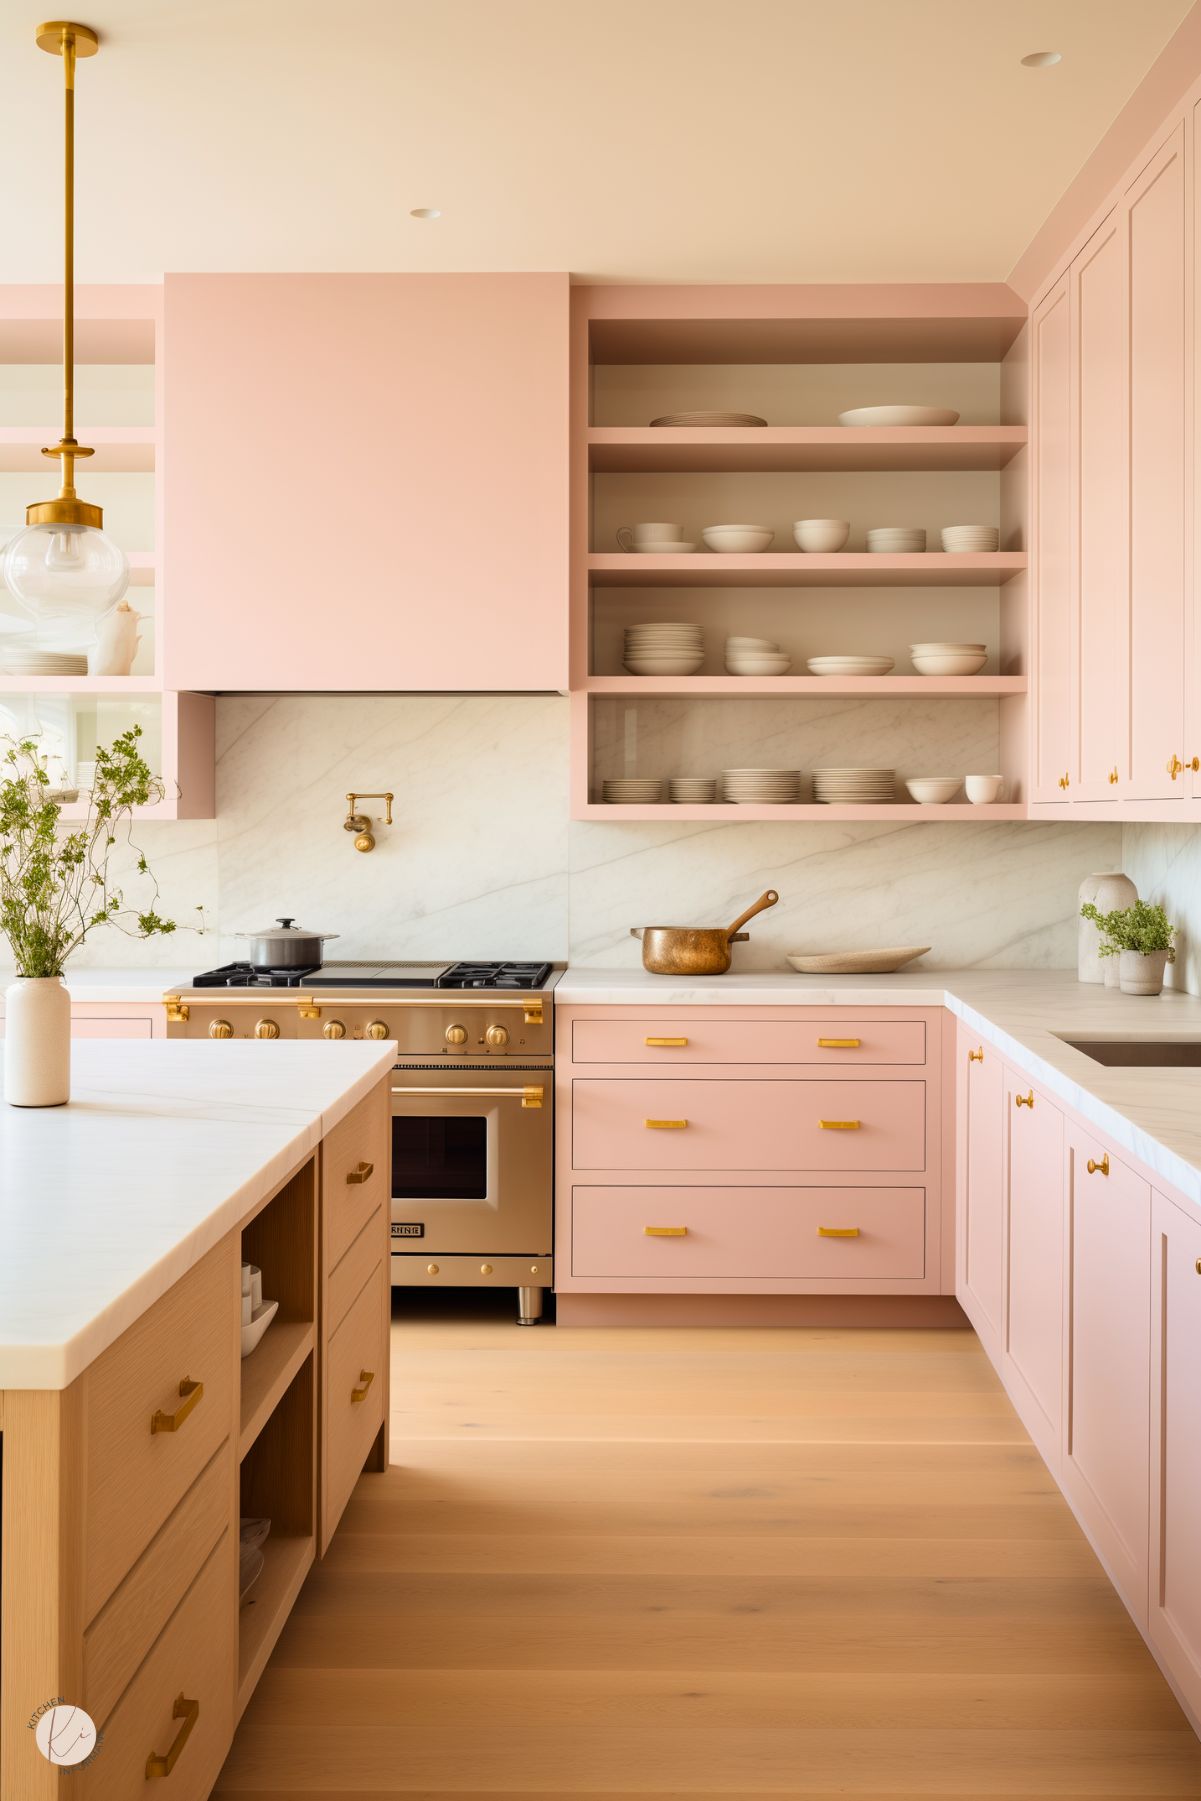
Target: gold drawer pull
665 1125
666 1043
666 1231
189 1713
366 1377
171 1422
838 1231
1024 1100
838 1044
1098 1169
362 1172
976 1056
839 1125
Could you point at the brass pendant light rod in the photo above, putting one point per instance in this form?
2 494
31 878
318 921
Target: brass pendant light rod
60 37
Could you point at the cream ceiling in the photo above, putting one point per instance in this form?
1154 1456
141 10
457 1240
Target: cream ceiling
756 140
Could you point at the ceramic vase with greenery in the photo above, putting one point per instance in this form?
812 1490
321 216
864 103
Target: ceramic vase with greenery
1141 937
55 889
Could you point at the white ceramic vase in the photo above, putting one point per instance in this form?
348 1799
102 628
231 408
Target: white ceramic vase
1090 964
1114 892
37 1042
1141 972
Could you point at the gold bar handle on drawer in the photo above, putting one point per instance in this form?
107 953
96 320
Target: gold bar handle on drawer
839 1125
362 1172
838 1044
366 1377
665 1125
666 1231
189 1713
1024 1100
666 1043
838 1231
1099 1169
190 1393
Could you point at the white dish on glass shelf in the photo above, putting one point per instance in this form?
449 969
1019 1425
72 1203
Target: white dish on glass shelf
899 415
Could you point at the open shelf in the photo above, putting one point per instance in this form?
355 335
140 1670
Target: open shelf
267 1374
769 569
744 686
119 449
644 450
896 812
78 684
288 1559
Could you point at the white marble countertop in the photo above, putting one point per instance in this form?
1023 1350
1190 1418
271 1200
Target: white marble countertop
1155 1114
163 1149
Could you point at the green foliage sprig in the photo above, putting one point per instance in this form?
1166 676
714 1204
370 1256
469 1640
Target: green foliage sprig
1143 927
55 886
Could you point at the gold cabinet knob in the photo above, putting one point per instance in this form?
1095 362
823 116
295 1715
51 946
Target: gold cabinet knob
377 1029
1113 776
976 1056
431 1269
1199 1266
1065 780
455 1034
1174 766
1099 1169
221 1028
1024 1100
497 1037
535 1267
333 1028
485 1269
266 1028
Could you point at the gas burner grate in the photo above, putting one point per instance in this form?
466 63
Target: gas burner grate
495 975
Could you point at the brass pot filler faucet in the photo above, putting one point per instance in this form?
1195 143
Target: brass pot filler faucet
360 824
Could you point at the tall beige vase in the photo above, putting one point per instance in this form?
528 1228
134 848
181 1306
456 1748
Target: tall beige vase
1113 893
37 1042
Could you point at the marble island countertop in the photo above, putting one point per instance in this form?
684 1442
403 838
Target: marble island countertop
163 1149
1155 1114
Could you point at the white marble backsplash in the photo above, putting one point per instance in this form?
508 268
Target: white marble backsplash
1164 863
482 860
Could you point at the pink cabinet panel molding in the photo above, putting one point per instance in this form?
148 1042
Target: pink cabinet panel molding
1175 1593
365 481
1032 1354
980 1211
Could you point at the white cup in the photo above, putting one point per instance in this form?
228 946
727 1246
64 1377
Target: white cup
981 790
247 1310
632 537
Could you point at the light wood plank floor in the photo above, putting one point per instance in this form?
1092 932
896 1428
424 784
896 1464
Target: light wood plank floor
629 1563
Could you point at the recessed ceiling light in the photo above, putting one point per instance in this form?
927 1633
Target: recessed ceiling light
430 212
1042 59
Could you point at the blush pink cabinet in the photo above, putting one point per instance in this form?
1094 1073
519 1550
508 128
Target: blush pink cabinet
1032 1327
1052 562
112 1019
980 1208
1107 1372
1174 1602
366 482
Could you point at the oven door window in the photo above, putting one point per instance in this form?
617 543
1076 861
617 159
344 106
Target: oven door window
443 1159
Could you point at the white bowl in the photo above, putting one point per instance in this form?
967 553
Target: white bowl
664 665
259 1321
738 540
850 665
899 415
982 790
758 665
943 647
934 790
820 535
664 548
959 663
751 644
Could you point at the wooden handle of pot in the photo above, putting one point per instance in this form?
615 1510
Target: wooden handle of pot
766 900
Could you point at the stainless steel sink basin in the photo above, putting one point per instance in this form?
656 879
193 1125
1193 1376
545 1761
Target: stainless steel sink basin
1141 1053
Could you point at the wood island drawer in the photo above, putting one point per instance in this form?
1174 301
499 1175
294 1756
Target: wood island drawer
784 1124
355 1175
837 1042
139 1466
354 1395
190 1667
748 1234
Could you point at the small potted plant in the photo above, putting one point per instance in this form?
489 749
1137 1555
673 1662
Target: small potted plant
1140 937
55 888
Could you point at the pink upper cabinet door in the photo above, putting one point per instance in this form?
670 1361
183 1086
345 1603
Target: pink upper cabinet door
1159 367
1033 1329
365 481
980 1210
1174 1609
1100 430
1052 542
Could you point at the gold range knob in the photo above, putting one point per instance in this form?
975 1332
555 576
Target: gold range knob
333 1028
266 1028
377 1029
455 1034
221 1028
497 1037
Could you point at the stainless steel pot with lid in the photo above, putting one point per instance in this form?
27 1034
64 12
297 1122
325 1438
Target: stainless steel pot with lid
288 946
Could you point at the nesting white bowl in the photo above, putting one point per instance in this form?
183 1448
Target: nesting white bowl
934 790
821 535
738 540
982 790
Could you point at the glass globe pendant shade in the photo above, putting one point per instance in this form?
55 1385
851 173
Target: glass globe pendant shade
67 576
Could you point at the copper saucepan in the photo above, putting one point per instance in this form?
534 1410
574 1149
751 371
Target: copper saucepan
695 950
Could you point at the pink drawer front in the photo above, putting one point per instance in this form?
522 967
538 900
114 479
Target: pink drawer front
700 1123
840 1043
751 1233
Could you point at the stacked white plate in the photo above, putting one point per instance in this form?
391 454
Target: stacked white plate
948 659
695 790
664 649
771 787
897 539
756 656
977 538
850 665
899 415
710 418
42 662
632 790
855 787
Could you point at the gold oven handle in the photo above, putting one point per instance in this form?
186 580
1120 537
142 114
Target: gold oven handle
171 1422
529 1097
179 1010
189 1713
